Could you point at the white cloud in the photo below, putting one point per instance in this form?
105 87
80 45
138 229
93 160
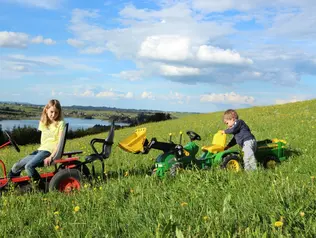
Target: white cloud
40 39
147 95
129 95
291 100
131 75
227 98
75 43
87 93
13 39
21 40
169 70
46 4
19 68
245 5
165 47
23 63
106 94
216 55
93 50
207 48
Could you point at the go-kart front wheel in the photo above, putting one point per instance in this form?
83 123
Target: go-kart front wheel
231 162
66 180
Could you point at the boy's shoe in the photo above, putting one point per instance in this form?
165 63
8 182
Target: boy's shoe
12 175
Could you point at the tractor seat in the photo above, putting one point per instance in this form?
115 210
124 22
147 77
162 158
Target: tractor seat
218 143
213 148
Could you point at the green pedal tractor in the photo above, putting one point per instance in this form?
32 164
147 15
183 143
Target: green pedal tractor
175 156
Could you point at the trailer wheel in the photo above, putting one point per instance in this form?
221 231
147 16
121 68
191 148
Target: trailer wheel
270 162
66 180
231 162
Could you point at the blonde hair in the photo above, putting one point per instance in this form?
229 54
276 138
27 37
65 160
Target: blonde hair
230 114
52 103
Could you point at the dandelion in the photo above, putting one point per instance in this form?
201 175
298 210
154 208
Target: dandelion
57 227
184 204
302 214
77 208
278 224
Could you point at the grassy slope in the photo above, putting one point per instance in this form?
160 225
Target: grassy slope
194 204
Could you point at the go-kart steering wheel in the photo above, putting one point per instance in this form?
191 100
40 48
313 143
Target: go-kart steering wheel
193 136
16 147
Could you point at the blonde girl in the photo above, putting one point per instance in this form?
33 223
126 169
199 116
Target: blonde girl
51 125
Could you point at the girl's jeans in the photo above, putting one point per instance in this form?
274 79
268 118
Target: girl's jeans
29 163
249 149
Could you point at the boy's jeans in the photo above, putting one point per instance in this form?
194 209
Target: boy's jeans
249 149
30 162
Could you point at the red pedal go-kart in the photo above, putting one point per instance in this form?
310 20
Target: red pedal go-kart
69 171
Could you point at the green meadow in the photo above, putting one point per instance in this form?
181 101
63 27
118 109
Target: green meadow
196 203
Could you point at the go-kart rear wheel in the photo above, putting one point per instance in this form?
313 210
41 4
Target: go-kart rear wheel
270 162
231 162
66 180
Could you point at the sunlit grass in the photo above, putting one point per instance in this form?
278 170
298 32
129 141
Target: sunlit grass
264 203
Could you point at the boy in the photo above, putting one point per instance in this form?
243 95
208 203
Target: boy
242 137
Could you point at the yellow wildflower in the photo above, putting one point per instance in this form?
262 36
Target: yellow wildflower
184 204
57 227
205 218
77 208
302 214
126 174
100 187
56 213
132 190
278 224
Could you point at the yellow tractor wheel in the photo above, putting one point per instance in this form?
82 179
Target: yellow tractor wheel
232 162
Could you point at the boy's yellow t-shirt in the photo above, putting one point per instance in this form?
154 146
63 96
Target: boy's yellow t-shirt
50 135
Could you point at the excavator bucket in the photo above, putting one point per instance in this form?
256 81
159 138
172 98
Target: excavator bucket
135 142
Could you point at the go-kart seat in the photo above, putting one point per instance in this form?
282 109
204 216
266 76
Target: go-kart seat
61 146
106 147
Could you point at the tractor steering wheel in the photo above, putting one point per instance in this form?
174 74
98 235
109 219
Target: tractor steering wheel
193 136
16 147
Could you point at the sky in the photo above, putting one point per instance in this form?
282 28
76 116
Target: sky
170 55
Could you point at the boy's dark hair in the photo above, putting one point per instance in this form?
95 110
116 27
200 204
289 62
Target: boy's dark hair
230 114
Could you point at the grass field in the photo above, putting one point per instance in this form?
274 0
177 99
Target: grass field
213 203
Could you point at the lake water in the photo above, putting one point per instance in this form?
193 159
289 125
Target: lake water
74 123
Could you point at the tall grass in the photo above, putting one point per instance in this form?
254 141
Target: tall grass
197 203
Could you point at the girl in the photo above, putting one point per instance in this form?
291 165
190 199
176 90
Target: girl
51 125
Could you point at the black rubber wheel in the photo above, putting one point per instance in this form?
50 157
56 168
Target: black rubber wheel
83 168
270 162
25 187
174 169
66 180
15 145
232 162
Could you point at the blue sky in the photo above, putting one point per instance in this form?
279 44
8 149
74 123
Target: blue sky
171 55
